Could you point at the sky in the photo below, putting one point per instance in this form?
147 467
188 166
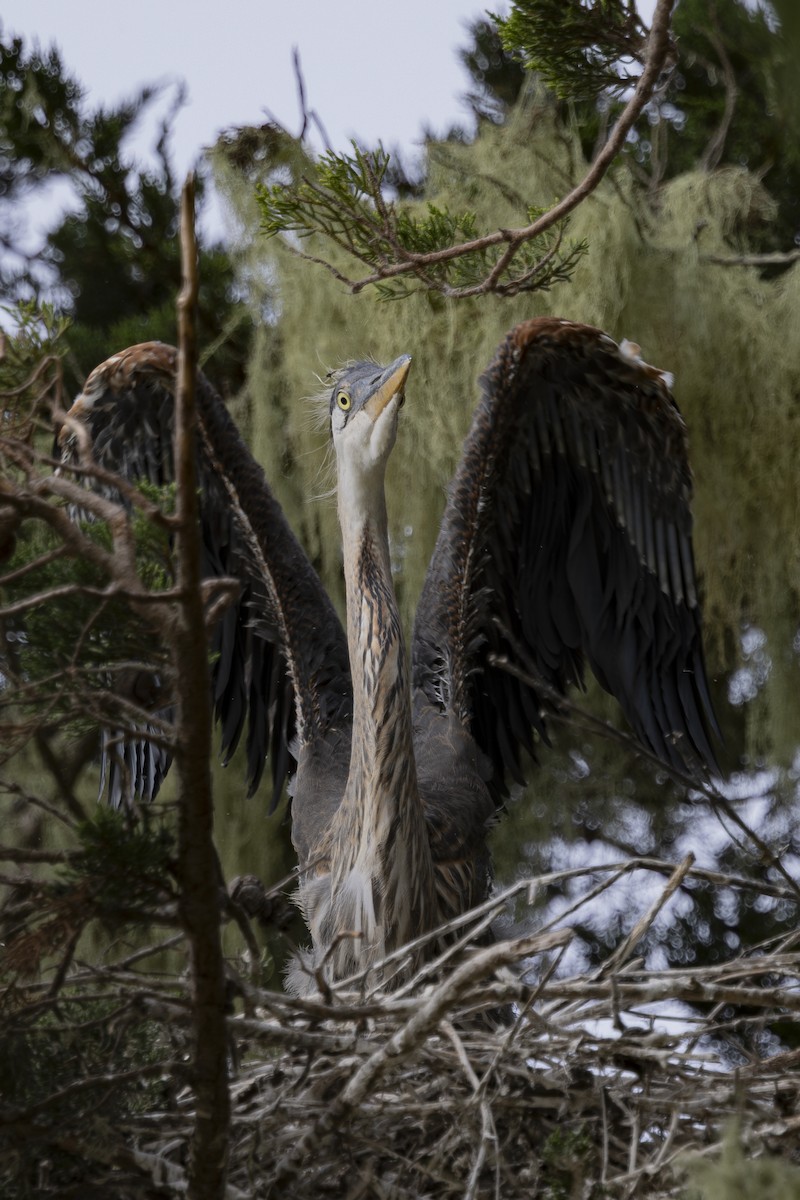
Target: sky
372 69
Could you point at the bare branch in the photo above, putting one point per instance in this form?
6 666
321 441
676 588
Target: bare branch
198 865
627 946
776 258
408 1037
21 855
716 143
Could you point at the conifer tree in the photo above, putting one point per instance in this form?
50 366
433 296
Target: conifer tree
111 263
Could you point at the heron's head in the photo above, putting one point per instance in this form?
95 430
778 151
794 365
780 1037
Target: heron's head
364 404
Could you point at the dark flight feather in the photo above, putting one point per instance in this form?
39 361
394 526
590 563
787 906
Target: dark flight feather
567 533
566 539
279 651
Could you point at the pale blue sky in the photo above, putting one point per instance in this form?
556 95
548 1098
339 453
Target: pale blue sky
372 69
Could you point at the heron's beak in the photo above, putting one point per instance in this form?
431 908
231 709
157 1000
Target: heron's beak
392 383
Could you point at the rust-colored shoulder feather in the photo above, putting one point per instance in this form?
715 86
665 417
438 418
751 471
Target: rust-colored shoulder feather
567 535
280 655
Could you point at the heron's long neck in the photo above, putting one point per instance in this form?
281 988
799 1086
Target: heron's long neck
383 841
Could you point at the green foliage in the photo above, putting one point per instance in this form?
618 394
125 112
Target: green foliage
344 185
70 650
153 547
733 98
38 334
114 260
30 367
128 866
538 264
579 47
436 231
56 641
736 54
728 55
46 1054
46 1050
37 94
121 874
345 204
569 1164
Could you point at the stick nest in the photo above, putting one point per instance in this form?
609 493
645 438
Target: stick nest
500 1069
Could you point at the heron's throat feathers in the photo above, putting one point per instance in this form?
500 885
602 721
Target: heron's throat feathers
380 835
381 696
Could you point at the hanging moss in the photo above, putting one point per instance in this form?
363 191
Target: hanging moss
737 1177
727 334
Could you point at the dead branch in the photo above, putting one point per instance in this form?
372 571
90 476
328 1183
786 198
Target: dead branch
776 258
610 1078
198 866
407 1039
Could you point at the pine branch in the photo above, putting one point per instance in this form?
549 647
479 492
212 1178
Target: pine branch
441 251
579 47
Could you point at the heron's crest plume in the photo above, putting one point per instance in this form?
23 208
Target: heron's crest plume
317 419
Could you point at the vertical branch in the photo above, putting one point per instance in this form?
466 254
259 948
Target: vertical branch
716 143
198 866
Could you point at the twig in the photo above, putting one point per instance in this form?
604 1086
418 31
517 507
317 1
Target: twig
12 1118
628 944
488 1131
408 1037
716 143
21 855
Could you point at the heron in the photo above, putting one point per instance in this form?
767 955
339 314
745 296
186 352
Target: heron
566 539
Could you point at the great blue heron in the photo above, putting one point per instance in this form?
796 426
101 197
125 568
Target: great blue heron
566 535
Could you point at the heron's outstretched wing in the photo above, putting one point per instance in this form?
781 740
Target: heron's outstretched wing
280 653
567 533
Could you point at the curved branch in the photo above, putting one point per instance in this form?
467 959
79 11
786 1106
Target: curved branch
716 144
658 51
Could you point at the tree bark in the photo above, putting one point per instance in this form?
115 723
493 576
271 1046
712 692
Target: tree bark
198 864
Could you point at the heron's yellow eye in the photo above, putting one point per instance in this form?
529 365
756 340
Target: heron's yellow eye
344 401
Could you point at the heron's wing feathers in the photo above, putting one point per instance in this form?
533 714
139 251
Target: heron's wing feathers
567 533
279 651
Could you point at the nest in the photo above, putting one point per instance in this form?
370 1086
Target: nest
496 1071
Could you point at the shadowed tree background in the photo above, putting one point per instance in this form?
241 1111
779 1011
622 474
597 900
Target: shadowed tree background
112 261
